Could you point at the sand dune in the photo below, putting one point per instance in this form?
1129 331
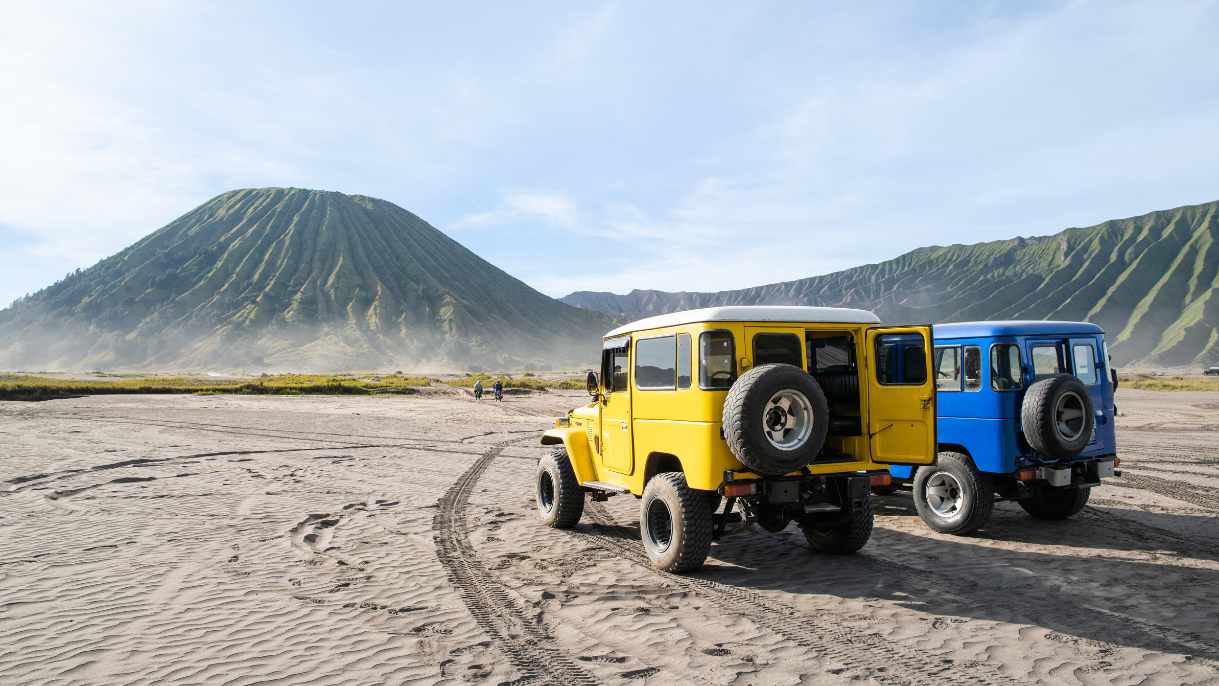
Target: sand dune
374 540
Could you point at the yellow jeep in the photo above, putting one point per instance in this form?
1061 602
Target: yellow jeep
793 412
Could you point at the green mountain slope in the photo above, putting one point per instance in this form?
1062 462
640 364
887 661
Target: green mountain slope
295 279
1151 281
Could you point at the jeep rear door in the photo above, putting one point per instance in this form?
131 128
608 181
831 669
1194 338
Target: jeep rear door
901 395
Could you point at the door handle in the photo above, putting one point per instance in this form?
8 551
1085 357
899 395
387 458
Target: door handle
624 426
926 400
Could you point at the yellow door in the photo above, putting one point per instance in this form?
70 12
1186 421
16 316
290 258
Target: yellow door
769 344
616 450
901 395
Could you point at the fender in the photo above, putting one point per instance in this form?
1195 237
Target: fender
575 441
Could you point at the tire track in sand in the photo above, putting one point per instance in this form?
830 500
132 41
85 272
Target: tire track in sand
862 654
526 644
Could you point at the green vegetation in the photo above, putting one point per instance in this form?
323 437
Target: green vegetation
525 381
293 278
29 387
1152 282
1147 382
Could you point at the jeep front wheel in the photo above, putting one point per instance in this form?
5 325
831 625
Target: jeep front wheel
675 523
1057 503
560 498
842 537
952 496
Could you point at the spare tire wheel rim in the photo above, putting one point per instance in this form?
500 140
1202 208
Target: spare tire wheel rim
660 525
1069 419
944 496
787 419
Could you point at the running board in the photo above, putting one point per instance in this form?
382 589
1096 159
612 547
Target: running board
606 487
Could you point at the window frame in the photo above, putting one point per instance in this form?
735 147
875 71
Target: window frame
732 339
876 354
689 340
990 362
607 367
960 367
635 364
965 348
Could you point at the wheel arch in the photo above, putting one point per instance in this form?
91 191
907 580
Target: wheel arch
660 462
579 453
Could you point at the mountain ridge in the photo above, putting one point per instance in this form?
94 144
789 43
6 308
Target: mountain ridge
1151 280
289 278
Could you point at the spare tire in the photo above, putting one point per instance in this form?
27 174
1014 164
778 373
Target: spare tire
1057 416
775 419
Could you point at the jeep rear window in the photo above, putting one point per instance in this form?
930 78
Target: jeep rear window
947 369
1005 371
1046 362
900 359
716 360
1085 364
654 363
777 348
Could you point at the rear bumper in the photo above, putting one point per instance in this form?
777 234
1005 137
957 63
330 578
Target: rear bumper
809 493
1085 473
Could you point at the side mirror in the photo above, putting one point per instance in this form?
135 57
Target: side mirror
593 384
1113 377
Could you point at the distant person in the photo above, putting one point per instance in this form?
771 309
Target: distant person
498 388
478 389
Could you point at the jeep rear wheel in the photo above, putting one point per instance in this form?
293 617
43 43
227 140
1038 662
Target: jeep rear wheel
952 496
560 498
775 419
675 523
1057 503
840 538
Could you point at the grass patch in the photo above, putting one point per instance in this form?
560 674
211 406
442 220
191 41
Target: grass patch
31 387
522 381
1147 382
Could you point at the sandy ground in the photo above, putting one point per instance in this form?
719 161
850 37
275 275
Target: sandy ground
149 539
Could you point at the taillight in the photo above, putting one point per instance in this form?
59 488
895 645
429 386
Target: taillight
1026 475
740 488
881 480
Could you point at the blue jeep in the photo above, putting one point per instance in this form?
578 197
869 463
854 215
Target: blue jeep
1025 412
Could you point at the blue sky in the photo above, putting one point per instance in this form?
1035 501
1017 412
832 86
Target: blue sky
609 146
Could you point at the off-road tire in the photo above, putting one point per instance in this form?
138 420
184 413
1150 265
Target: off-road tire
977 495
743 419
1057 503
690 529
562 507
1038 421
844 538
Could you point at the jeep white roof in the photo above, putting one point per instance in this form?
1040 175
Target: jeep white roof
751 313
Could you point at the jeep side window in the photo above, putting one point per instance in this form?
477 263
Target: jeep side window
900 359
973 368
1046 362
654 363
1085 364
619 370
1005 372
947 369
684 356
771 348
716 360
